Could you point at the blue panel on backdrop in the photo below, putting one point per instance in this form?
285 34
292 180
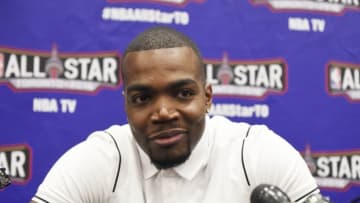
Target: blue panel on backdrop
291 64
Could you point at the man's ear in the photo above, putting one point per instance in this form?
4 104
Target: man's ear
208 96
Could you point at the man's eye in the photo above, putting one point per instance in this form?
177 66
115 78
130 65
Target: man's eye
140 99
186 93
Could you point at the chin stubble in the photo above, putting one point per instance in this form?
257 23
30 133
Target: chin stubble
169 162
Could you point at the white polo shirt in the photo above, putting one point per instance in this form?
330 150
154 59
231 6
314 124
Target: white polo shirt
229 161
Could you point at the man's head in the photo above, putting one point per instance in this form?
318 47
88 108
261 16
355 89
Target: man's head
159 38
166 96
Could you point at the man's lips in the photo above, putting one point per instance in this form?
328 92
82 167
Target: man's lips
167 137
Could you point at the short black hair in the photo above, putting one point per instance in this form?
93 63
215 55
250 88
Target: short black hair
162 37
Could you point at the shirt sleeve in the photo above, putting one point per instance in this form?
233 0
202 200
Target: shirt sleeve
272 160
82 173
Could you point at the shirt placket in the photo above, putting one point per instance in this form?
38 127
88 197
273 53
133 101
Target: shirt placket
169 186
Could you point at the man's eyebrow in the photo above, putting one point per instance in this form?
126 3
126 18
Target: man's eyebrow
172 85
181 83
138 87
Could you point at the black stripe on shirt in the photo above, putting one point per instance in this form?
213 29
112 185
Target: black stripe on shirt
41 199
242 157
119 165
313 190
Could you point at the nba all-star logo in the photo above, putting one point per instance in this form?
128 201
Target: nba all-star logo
254 79
330 6
338 170
80 72
343 79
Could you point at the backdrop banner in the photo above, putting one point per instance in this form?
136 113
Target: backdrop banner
293 65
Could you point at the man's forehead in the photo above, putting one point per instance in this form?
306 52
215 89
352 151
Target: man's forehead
160 63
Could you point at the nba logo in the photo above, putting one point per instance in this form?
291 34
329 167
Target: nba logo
335 78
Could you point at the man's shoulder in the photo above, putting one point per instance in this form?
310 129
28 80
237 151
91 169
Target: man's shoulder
105 143
228 129
240 136
118 133
90 167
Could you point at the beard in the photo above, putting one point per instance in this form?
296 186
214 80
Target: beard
168 161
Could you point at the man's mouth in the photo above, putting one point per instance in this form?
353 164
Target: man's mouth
168 137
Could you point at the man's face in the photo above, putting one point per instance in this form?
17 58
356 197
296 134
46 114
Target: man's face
166 102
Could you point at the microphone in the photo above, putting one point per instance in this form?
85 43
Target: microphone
266 193
4 179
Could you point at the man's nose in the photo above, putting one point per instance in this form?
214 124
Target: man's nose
164 111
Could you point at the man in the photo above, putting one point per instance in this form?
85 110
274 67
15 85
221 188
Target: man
171 151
